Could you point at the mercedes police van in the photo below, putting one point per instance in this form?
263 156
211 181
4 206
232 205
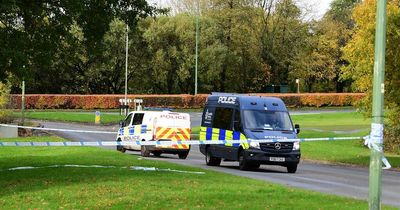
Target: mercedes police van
239 117
156 126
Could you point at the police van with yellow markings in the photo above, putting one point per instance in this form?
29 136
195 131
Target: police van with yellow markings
240 117
156 126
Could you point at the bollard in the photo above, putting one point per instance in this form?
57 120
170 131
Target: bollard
97 118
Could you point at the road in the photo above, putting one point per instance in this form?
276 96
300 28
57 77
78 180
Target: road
339 180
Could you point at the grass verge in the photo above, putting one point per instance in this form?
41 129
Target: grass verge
118 188
338 125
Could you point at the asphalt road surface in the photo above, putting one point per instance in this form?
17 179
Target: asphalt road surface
339 180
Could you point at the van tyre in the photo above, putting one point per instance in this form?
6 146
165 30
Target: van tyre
292 168
183 155
120 147
244 164
157 153
144 151
255 166
211 160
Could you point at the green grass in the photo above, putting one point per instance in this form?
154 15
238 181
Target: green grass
117 188
332 121
68 116
349 152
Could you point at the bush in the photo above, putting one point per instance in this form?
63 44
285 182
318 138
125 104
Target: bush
44 101
5 114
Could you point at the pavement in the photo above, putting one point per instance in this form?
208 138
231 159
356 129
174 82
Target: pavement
345 181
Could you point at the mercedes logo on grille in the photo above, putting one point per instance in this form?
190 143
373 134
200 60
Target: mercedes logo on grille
278 146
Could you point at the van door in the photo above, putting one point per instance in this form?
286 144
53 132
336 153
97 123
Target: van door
137 128
237 127
223 124
127 125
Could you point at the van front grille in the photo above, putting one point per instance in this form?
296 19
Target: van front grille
278 147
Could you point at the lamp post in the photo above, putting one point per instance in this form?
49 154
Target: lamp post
197 46
298 85
126 64
375 165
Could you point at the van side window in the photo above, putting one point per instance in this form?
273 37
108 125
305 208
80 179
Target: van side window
138 119
223 118
237 122
128 120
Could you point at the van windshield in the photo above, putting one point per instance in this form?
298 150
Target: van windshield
267 120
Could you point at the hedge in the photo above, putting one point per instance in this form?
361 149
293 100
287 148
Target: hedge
47 101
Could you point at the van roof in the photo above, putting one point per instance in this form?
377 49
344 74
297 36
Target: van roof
249 102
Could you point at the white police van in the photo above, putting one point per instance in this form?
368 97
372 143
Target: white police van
241 117
155 126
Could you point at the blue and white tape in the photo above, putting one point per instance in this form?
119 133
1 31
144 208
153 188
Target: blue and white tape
57 129
374 141
162 143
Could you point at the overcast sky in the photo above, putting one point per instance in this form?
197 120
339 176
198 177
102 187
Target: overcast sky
318 7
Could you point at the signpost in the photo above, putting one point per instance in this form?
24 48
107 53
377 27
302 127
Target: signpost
124 107
375 166
138 104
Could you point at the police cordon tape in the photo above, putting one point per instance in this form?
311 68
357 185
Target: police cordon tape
372 141
162 143
56 129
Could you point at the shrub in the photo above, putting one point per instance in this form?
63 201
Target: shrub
5 114
173 101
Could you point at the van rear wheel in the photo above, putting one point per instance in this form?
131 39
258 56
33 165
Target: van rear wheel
211 160
144 151
157 153
183 155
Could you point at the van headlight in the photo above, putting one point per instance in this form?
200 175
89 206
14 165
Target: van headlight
296 145
255 144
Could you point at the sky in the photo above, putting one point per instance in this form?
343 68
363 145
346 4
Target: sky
317 7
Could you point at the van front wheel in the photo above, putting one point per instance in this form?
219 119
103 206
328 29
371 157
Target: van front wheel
292 168
244 164
120 147
211 160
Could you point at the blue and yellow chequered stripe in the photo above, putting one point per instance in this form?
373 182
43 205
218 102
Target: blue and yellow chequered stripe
134 130
207 133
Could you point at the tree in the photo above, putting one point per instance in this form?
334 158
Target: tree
284 37
32 32
4 99
360 54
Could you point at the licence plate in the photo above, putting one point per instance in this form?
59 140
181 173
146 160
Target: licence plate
277 159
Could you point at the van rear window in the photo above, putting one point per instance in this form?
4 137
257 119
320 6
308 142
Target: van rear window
223 118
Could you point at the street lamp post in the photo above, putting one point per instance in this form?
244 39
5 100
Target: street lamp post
298 85
375 165
197 47
126 69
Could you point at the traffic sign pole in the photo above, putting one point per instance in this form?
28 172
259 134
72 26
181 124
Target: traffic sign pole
375 167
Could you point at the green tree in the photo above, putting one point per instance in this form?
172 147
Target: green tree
172 44
32 32
360 54
4 99
284 37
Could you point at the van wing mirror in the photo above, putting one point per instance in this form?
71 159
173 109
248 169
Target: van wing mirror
297 128
121 124
237 126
